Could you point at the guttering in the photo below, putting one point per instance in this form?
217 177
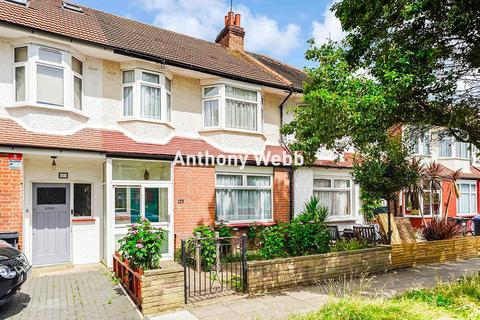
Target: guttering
152 58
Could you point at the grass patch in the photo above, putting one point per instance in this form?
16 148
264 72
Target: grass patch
456 300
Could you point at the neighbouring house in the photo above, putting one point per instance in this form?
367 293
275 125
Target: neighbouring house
96 110
451 155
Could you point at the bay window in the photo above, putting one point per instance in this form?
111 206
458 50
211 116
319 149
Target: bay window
420 143
230 107
467 202
243 197
334 194
449 148
428 203
46 76
146 95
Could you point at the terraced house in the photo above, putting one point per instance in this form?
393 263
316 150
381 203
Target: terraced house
95 109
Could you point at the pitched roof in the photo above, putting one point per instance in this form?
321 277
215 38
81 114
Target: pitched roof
473 174
142 40
294 75
112 142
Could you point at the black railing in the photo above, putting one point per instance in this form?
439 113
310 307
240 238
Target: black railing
214 267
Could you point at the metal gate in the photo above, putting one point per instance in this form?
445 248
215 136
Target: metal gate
214 267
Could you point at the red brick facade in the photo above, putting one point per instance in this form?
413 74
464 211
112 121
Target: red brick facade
281 194
194 199
11 197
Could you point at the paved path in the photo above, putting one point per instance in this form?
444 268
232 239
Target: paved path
84 292
300 300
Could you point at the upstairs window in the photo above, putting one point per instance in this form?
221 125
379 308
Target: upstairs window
20 62
420 142
449 148
147 95
47 76
226 106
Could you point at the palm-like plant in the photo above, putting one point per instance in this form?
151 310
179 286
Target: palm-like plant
415 190
314 209
452 178
433 179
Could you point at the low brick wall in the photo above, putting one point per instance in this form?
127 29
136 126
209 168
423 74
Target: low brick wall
413 254
162 289
276 274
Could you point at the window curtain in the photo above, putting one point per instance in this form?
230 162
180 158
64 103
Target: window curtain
151 102
446 147
241 205
128 101
337 202
241 115
20 83
241 94
461 149
210 110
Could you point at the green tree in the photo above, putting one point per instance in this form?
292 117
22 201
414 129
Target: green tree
403 62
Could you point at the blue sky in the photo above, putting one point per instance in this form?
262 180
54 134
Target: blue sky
277 28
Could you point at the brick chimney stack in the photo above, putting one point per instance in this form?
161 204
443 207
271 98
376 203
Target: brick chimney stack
232 36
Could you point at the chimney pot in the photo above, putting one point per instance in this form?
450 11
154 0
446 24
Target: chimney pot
231 18
237 20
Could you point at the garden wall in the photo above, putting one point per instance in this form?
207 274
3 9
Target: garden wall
280 273
162 289
413 254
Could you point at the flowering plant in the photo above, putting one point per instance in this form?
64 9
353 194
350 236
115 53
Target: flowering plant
142 245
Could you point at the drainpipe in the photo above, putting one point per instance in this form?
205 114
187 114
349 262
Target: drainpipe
282 142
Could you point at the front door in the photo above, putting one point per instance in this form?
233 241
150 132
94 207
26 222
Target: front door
51 224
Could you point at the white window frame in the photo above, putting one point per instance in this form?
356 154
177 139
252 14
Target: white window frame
80 76
33 60
421 204
244 186
454 154
423 141
221 97
470 193
16 65
165 114
332 188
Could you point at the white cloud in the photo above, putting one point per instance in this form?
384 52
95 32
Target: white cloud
330 28
204 19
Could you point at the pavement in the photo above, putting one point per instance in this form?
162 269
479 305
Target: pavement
88 292
281 305
66 292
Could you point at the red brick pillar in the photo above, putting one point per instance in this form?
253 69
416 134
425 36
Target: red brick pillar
194 199
281 194
11 197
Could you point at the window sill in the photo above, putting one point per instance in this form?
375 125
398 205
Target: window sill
86 219
135 119
453 158
416 217
242 224
37 106
340 219
232 131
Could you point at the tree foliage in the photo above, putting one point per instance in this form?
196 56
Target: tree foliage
403 62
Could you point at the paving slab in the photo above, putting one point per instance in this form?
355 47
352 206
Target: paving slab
66 292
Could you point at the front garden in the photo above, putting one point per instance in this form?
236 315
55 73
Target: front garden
456 300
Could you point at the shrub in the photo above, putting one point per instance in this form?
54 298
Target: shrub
272 243
141 246
308 233
253 235
349 245
440 229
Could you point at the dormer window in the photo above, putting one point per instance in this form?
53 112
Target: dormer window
231 107
146 95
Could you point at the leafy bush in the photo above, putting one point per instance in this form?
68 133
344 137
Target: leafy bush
253 235
349 245
141 246
272 243
308 233
440 229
